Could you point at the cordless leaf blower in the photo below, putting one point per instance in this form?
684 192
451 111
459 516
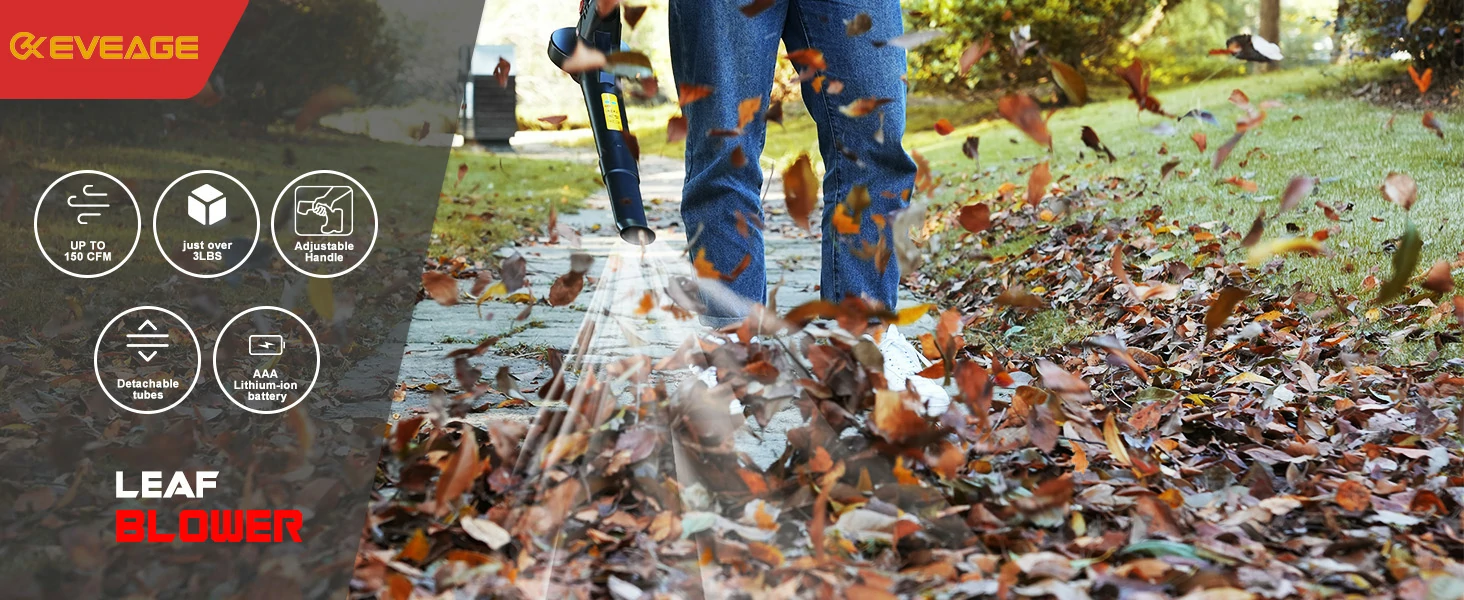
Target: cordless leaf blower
607 118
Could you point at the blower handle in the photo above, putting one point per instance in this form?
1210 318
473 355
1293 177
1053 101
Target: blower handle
606 108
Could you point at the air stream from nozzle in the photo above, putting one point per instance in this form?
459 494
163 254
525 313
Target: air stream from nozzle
607 119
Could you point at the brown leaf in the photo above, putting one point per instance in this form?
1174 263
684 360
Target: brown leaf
1223 152
1018 297
461 470
686 93
944 127
1222 307
1042 428
1459 310
1116 447
633 14
1137 79
416 548
1090 139
1157 515
1021 110
1353 495
756 7
1200 140
747 110
1433 124
800 190
1071 83
440 287
501 71
1257 229
1057 380
973 53
462 172
1400 189
976 218
863 106
738 158
675 129
584 58
1296 190
811 58
1037 182
972 148
1245 185
1439 278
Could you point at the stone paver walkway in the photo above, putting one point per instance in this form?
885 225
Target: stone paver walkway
620 275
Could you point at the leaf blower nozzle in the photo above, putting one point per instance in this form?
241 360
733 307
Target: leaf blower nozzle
607 119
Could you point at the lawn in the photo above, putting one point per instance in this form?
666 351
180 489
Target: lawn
501 198
1319 130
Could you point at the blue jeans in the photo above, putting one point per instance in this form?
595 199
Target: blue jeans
714 44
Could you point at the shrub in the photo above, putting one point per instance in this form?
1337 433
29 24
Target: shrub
1380 28
1082 33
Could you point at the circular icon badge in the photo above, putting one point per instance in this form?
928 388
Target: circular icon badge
87 224
147 359
267 363
206 224
329 224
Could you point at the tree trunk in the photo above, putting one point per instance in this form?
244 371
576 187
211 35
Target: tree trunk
1271 24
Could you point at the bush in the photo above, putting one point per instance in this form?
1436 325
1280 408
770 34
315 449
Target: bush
1080 33
1380 28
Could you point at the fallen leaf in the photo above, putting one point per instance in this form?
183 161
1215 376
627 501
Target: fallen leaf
416 548
486 531
1439 278
1200 140
460 472
1353 495
1245 185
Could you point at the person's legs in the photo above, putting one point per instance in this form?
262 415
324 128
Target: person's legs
713 44
851 266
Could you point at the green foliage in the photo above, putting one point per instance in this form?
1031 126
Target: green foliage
1381 29
1178 50
285 50
1080 33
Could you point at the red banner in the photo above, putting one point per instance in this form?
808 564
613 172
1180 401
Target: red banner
104 49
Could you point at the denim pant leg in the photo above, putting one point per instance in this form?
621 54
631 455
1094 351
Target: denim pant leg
884 168
714 44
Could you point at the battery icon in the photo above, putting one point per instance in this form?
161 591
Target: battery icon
266 345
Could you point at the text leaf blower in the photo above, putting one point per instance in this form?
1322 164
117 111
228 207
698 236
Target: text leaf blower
607 118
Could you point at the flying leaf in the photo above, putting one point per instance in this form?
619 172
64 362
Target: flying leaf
756 7
501 71
811 58
462 172
513 271
1037 182
1260 253
859 25
675 129
909 315
747 110
944 127
1422 82
1221 308
1137 79
976 218
1297 190
1439 278
686 93
1400 189
863 106
1200 140
1432 123
913 39
1405 262
1257 229
1244 184
973 53
584 58
440 287
1090 139
1071 83
1201 115
629 63
1223 152
1042 428
1021 110
1459 310
800 189
1415 10
633 15
972 148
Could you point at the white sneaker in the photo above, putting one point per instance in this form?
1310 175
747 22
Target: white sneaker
901 363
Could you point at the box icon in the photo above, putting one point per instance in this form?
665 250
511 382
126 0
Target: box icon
207 205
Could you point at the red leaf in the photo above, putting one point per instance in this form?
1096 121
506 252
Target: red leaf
441 287
976 218
1021 110
944 127
1037 182
1200 140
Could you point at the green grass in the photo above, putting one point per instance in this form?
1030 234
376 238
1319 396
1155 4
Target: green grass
503 197
1320 130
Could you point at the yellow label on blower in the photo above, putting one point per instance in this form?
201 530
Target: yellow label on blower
612 112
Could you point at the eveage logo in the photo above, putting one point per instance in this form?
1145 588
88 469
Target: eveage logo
25 45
